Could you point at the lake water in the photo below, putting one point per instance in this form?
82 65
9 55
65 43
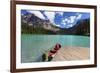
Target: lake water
33 46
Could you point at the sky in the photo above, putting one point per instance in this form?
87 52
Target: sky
58 18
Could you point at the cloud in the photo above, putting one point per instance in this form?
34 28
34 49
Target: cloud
58 25
60 13
66 20
38 14
79 16
71 20
50 16
64 23
70 25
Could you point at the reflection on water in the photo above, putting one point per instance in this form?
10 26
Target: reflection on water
33 46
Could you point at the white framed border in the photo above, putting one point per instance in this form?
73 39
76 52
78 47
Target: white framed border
20 65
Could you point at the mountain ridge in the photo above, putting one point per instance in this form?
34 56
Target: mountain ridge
33 25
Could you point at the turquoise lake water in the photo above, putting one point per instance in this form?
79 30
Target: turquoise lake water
33 46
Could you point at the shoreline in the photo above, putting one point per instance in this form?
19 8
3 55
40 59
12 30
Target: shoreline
72 53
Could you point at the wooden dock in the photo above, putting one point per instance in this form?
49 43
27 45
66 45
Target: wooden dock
72 53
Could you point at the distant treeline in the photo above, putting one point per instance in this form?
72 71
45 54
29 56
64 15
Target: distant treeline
82 28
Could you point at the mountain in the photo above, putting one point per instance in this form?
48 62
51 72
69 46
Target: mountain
82 27
31 24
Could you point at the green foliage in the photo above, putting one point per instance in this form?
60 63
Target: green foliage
31 30
82 28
